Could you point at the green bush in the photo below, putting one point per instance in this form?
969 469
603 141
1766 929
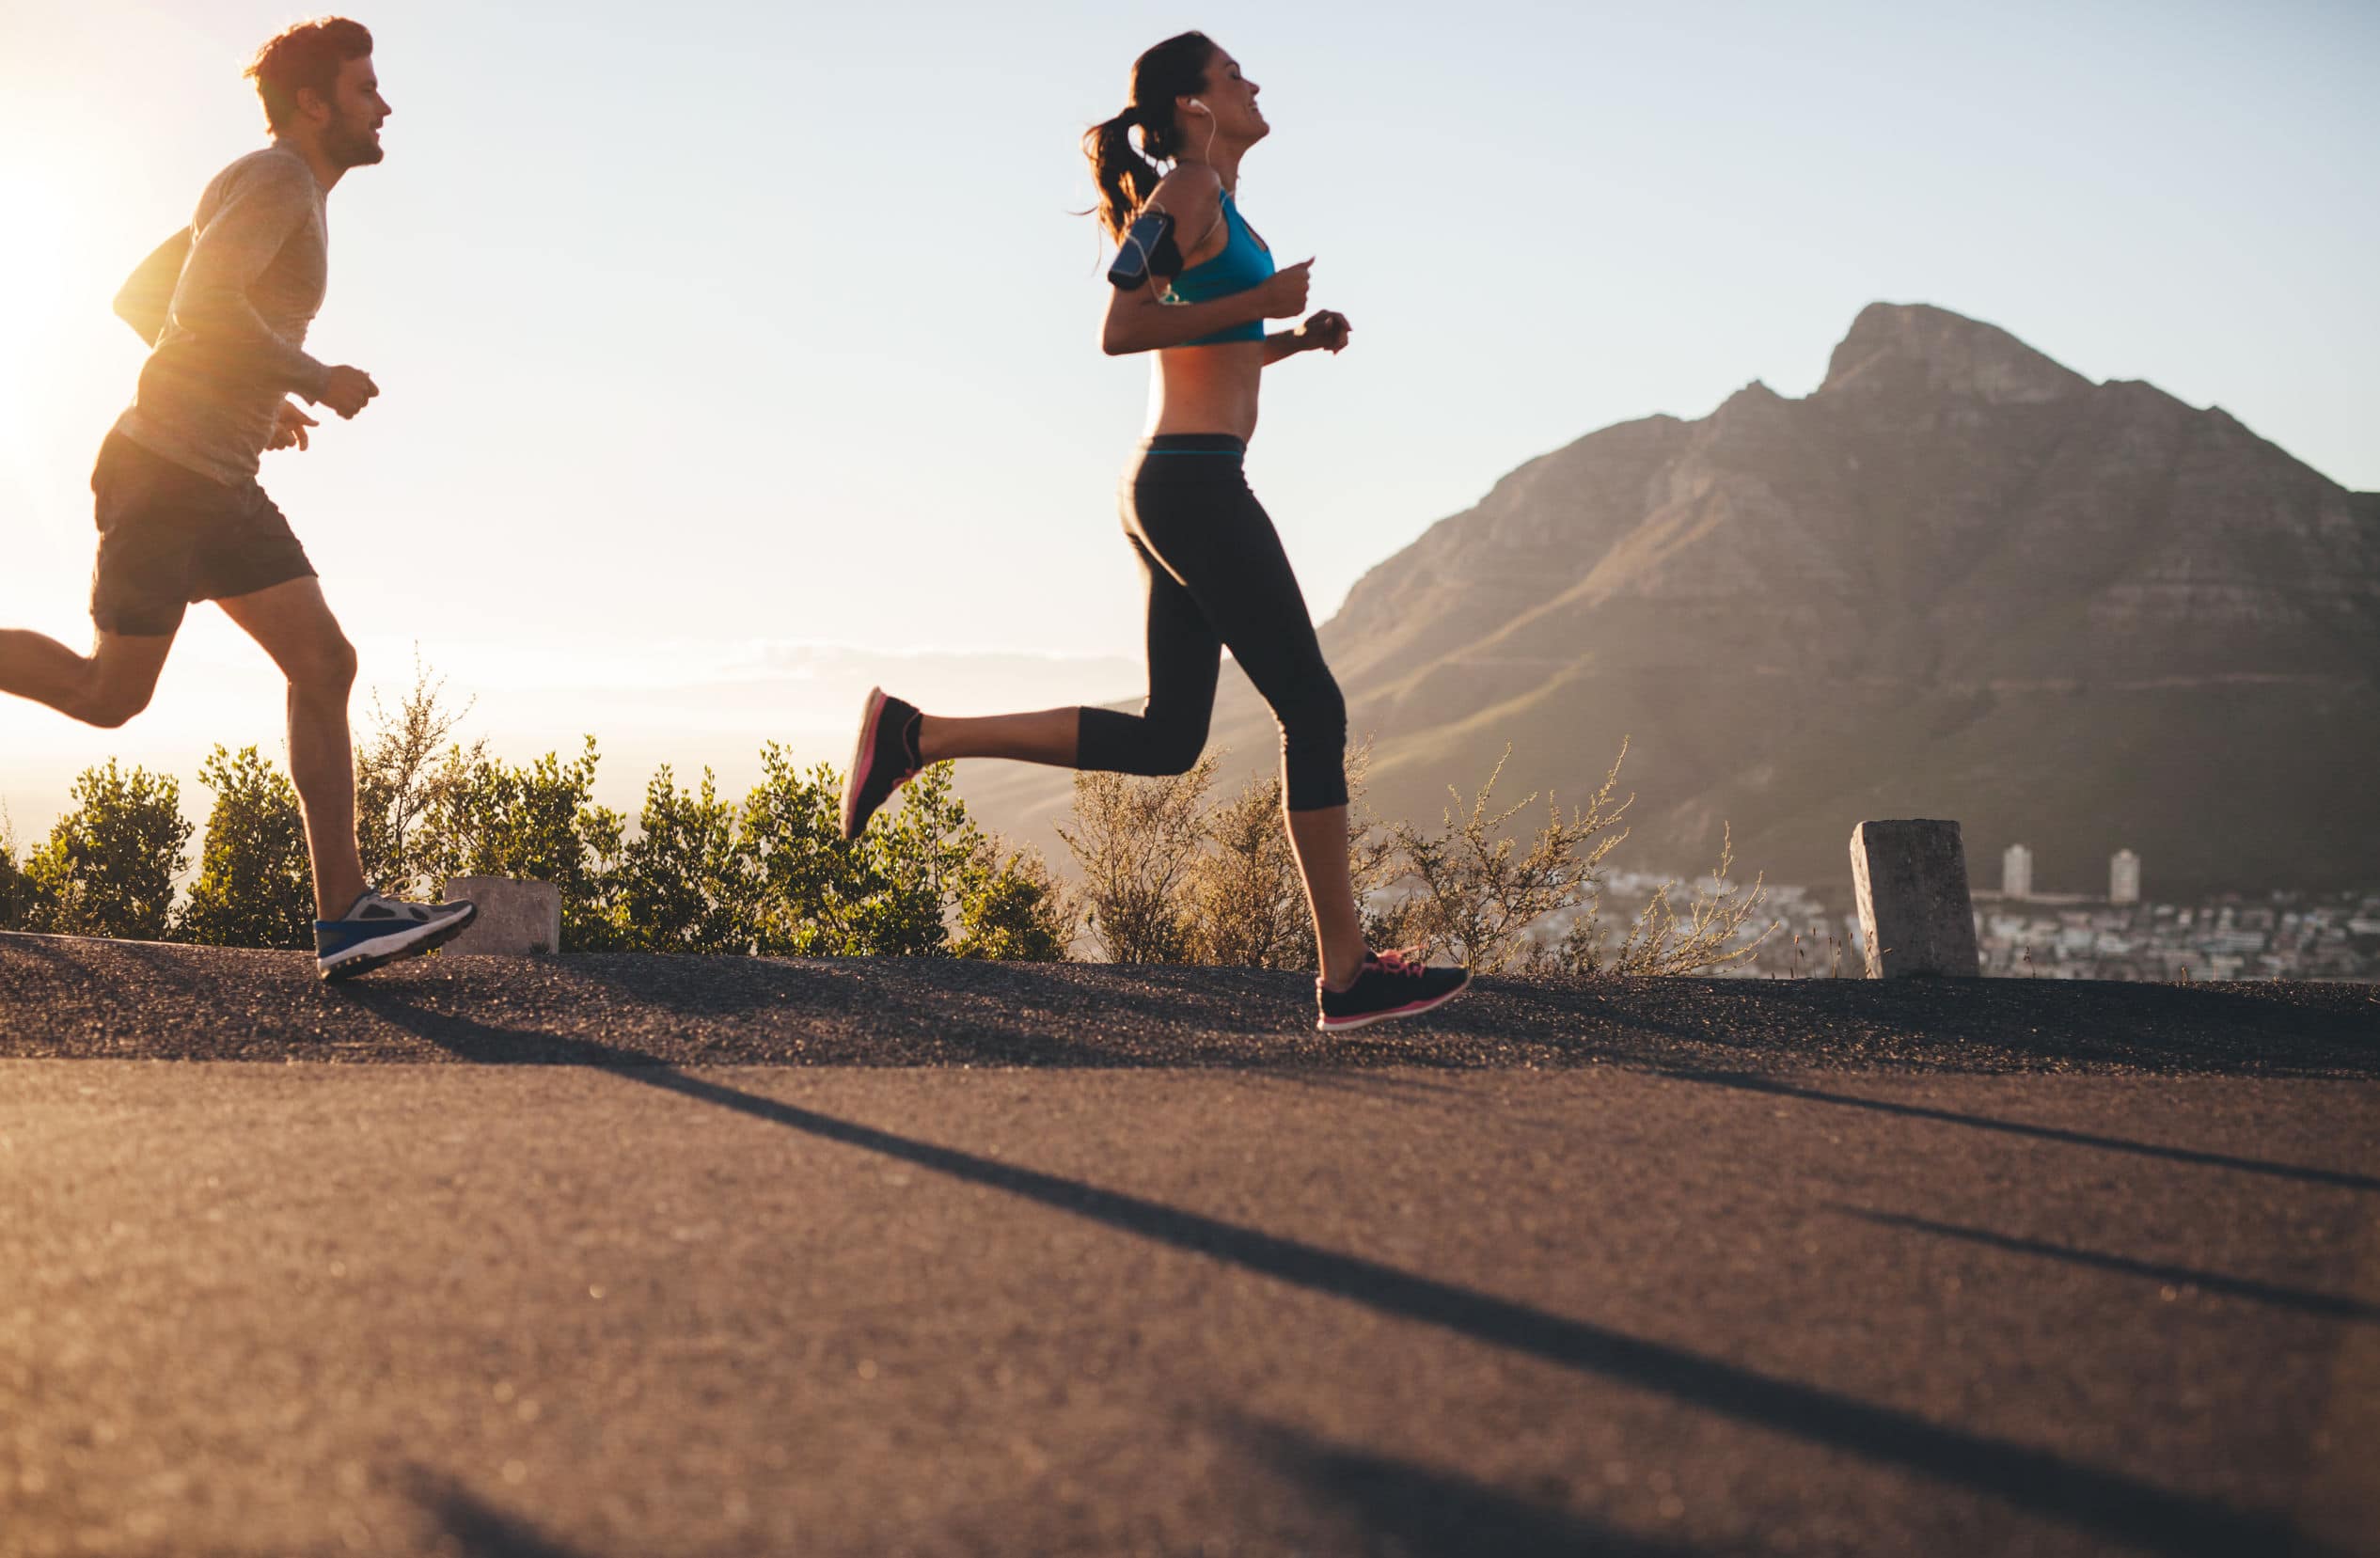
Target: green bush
538 822
683 885
256 885
16 895
923 881
109 865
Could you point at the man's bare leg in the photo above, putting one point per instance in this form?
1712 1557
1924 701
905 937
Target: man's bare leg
294 625
105 687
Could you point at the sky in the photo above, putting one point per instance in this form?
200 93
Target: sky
734 356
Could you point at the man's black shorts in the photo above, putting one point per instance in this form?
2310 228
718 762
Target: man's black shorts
168 536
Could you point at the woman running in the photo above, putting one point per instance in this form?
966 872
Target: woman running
1217 575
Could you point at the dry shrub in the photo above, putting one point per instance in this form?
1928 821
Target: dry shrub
1247 896
1658 942
1168 877
1136 840
1479 897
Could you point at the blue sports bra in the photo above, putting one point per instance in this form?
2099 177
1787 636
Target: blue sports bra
1243 263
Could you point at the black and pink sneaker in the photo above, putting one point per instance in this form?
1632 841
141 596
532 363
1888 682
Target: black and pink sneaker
1390 984
884 760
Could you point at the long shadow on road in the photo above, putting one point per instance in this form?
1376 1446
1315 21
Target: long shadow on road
475 1528
2323 1305
1426 1512
2107 1503
1774 1088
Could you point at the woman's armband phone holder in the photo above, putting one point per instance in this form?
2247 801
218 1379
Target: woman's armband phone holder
1148 248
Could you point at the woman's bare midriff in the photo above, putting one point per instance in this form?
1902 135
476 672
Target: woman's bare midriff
1207 388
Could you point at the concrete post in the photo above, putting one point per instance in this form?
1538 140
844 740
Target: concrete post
516 918
1911 878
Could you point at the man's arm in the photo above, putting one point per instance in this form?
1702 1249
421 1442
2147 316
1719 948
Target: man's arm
148 293
226 255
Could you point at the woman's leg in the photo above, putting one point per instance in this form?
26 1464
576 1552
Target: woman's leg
896 739
1318 838
1210 535
1045 735
1166 737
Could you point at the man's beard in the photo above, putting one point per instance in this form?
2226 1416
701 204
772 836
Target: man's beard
356 149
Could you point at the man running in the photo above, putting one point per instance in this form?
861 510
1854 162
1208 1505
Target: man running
181 516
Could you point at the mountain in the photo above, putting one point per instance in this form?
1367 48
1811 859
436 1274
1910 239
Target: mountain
1956 580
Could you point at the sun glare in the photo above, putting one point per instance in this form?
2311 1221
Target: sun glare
34 270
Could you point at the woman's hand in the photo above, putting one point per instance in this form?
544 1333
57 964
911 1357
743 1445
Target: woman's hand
1326 330
1282 294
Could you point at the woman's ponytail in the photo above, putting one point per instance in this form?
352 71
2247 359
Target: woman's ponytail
1175 69
1125 178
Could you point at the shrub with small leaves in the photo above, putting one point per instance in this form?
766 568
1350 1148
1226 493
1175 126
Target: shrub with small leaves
536 822
1011 908
683 885
16 894
256 885
109 864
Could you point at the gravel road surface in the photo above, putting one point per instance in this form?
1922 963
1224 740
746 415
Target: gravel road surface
641 1256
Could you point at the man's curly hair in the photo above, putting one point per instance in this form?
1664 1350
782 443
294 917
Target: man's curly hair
305 53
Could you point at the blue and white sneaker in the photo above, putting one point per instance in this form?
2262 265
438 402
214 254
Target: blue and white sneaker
380 929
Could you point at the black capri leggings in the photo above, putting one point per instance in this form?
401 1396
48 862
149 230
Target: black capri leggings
1218 578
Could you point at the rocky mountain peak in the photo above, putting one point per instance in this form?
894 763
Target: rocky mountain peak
1959 581
1917 349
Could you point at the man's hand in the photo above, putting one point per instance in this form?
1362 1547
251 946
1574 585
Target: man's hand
1284 293
1326 330
347 391
289 426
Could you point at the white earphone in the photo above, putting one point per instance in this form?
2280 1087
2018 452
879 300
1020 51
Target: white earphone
1211 124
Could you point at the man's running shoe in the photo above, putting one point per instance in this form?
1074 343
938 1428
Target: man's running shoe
380 929
1390 984
885 758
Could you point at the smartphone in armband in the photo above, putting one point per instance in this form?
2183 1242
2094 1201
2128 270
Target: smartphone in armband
1148 248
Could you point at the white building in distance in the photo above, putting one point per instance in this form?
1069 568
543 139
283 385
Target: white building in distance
2016 873
2124 878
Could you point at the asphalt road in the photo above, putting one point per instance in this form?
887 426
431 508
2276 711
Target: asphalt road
888 1258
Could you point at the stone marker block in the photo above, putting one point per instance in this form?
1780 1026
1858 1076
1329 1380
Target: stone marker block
1914 911
515 918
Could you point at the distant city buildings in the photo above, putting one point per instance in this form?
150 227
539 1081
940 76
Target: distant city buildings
2286 935
2016 873
2016 879
2124 878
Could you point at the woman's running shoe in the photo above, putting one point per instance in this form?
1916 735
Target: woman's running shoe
884 760
1390 984
380 929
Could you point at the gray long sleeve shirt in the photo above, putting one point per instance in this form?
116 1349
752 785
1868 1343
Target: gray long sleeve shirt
234 339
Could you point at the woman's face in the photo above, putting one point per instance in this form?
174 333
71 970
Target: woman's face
1231 97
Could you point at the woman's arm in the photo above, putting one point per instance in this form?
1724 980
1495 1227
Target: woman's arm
1326 330
1138 320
